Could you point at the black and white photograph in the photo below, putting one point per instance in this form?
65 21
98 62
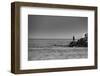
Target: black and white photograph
53 37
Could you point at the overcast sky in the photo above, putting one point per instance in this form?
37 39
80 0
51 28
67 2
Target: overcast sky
61 27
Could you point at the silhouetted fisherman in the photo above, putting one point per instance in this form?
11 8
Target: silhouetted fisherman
73 38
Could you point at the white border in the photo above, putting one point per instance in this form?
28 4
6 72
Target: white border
25 64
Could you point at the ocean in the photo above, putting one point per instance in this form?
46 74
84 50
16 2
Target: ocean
52 49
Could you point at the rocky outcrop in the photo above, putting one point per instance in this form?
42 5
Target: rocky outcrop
82 42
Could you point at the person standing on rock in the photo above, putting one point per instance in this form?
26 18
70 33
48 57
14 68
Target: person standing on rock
73 38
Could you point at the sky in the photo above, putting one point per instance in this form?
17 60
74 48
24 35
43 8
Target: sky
56 27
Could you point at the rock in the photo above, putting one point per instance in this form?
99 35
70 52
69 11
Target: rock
82 42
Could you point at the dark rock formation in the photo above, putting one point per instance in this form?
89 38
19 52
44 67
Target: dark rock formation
82 42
